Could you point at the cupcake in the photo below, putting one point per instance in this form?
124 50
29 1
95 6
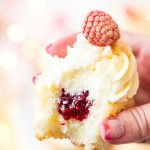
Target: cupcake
97 79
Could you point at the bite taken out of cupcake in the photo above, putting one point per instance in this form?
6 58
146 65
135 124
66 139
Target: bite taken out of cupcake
97 79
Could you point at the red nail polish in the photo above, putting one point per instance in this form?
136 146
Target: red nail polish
106 130
112 129
34 79
48 48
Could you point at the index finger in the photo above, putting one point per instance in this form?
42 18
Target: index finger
135 40
59 47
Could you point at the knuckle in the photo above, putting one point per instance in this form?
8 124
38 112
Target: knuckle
140 119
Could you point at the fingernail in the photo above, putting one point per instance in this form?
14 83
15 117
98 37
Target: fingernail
35 78
112 129
48 48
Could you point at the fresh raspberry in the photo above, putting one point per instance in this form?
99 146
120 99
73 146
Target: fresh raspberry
100 29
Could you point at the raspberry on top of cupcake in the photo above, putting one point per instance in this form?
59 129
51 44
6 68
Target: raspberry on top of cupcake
100 29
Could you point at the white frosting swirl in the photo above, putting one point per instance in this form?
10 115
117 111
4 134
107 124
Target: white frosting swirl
109 73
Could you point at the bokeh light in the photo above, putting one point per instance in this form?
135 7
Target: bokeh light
147 17
5 133
30 48
36 7
8 60
16 33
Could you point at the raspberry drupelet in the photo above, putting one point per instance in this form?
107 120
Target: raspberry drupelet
100 29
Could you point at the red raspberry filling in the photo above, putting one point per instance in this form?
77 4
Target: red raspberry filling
74 106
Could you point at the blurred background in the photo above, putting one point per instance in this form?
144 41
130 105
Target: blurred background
26 28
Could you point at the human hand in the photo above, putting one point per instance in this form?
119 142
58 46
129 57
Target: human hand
132 125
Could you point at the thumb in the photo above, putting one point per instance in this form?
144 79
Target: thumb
132 125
